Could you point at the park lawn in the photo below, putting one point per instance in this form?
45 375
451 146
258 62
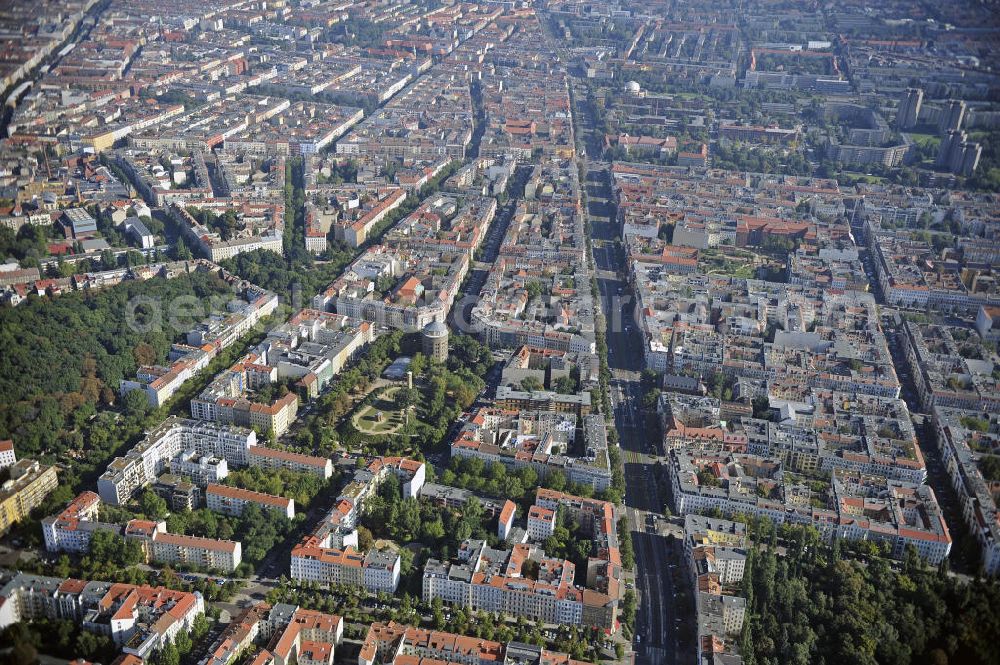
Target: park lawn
924 139
366 420
855 176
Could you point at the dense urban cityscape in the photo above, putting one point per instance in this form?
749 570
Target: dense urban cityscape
505 332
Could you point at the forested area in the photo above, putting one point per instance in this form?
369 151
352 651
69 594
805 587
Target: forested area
495 480
300 486
466 351
389 515
273 272
55 637
27 244
817 606
442 530
439 530
446 395
737 157
259 530
65 356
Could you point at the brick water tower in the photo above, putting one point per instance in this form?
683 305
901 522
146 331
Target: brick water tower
434 340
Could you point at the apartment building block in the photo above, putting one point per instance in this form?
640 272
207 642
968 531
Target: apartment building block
272 458
72 529
328 554
232 501
540 440
857 506
492 581
7 454
139 619
965 438
26 486
151 456
173 549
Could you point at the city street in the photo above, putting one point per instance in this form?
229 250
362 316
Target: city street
523 333
461 315
937 476
656 621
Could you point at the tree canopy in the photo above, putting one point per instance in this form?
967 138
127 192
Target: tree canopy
65 356
816 607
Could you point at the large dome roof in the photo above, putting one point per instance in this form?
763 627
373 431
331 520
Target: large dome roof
435 329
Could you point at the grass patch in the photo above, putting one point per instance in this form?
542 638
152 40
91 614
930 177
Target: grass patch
925 139
380 416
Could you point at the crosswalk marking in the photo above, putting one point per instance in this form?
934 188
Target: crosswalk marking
632 457
656 654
